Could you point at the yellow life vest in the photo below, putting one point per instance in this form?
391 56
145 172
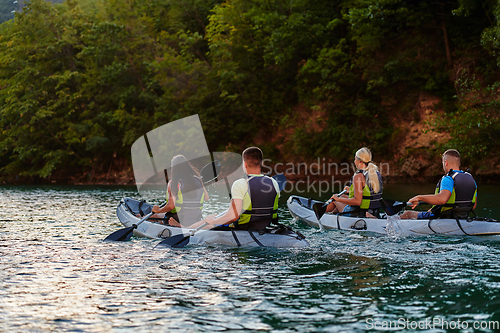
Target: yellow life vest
371 200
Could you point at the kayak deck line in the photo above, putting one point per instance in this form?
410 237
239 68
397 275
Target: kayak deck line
280 236
302 209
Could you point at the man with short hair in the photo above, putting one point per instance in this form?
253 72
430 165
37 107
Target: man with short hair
254 203
456 189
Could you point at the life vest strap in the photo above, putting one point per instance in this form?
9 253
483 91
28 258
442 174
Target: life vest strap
376 197
261 211
454 212
457 203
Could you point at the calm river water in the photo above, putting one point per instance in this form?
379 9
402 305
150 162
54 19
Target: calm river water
56 274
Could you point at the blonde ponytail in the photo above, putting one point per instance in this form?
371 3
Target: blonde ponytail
365 155
373 181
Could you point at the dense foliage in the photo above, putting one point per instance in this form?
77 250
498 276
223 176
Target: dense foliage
82 80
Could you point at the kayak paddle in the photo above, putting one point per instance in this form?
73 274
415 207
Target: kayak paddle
210 172
392 207
180 240
125 233
320 209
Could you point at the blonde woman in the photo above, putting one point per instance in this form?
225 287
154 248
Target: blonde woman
365 191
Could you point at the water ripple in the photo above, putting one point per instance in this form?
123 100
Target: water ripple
58 275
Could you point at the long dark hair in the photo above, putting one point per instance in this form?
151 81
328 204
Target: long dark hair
186 175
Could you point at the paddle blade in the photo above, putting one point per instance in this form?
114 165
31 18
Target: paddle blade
121 235
319 209
176 241
392 207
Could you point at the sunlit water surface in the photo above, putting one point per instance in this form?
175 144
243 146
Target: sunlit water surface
56 274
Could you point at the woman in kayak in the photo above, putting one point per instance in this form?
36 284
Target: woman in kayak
365 191
185 195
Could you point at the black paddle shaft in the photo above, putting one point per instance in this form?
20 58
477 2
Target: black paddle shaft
320 209
210 172
392 207
125 233
180 240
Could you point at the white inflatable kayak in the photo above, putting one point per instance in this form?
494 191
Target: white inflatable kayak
281 236
301 208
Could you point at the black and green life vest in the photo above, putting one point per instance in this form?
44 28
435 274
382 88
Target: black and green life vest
189 209
463 194
371 200
263 199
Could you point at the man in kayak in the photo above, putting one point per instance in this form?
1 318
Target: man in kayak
455 192
254 203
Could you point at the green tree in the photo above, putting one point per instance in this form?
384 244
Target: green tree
82 81
475 124
39 75
389 50
257 50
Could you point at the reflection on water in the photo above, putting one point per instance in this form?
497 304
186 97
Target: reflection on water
58 275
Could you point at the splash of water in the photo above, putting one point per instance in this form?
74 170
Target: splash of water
394 229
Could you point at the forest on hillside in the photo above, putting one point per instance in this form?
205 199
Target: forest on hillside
82 80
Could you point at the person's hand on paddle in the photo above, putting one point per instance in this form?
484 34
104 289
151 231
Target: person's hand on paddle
414 201
341 194
207 223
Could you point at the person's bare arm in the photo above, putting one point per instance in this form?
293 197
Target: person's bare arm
170 204
358 182
231 215
434 199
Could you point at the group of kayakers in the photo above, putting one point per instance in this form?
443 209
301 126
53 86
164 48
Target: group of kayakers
254 198
455 194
